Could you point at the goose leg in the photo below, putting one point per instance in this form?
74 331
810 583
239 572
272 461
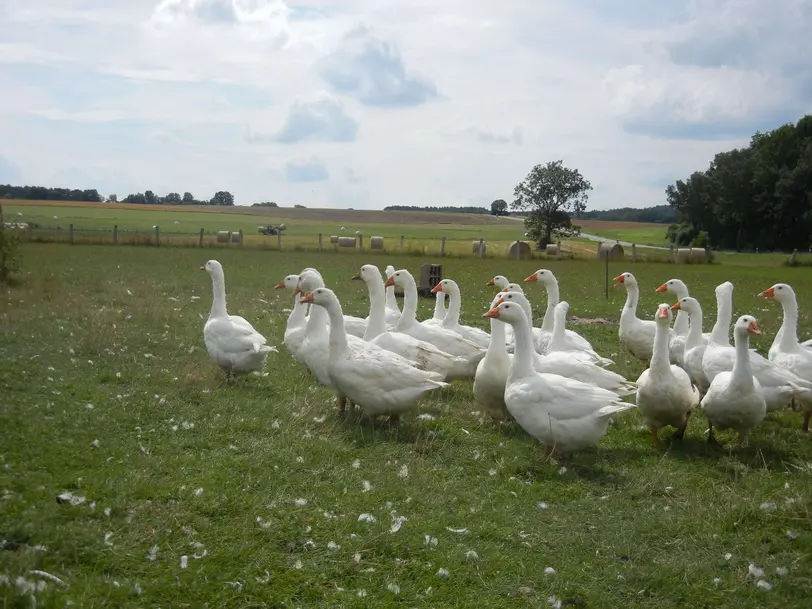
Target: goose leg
394 419
654 437
342 405
680 433
805 426
711 438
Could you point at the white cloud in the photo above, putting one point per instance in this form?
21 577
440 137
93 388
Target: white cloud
446 103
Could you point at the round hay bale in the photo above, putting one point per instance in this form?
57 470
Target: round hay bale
684 255
613 251
519 248
376 243
223 236
334 239
346 242
236 237
475 248
551 250
698 254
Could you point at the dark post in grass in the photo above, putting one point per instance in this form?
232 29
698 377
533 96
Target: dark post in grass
401 244
481 249
157 236
319 242
361 241
606 260
71 235
634 253
279 240
115 234
240 237
200 241
442 246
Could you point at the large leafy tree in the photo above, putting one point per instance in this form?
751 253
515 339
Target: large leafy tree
222 197
499 208
551 193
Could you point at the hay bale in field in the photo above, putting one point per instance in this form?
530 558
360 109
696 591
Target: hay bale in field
346 242
693 255
236 237
223 236
684 255
376 243
17 225
551 249
475 248
519 248
612 251
334 239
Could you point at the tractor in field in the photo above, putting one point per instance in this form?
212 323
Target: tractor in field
271 230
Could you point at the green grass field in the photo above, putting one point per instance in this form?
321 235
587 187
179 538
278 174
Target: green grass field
645 235
108 392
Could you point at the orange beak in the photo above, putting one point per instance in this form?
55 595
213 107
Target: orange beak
768 293
306 298
504 289
619 280
202 268
531 279
437 288
492 313
297 290
490 282
662 288
675 306
753 328
390 281
279 285
662 312
498 302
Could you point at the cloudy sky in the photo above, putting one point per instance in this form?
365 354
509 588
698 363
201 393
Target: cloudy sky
367 103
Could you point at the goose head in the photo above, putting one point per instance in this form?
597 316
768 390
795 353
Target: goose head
369 273
676 286
308 281
389 270
399 278
688 304
508 312
542 275
500 281
324 297
290 282
746 324
513 287
663 314
449 286
780 291
626 279
212 267
517 297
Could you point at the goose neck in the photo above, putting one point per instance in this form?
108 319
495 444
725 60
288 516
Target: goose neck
789 327
452 314
694 338
660 363
742 375
632 296
408 315
523 349
552 300
218 303
338 335
439 306
724 313
376 325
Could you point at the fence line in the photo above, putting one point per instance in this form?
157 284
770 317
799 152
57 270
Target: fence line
442 246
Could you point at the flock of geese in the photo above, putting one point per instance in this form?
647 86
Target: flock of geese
548 379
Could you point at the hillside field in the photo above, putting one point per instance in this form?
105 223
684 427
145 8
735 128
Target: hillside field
191 492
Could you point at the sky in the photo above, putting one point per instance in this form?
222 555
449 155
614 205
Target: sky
368 103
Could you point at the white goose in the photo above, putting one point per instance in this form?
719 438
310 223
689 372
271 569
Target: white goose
778 385
578 365
492 372
452 316
681 323
392 308
694 345
788 353
636 334
295 328
439 311
559 341
573 339
448 341
500 282
368 376
503 284
425 355
665 394
231 341
563 414
734 399
789 303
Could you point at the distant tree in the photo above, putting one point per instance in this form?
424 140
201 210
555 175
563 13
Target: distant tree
188 198
172 198
138 198
113 198
550 193
222 197
499 208
297 206
265 204
150 198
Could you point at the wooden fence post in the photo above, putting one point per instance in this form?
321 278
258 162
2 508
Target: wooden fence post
634 253
279 241
671 254
481 248
240 237
157 236
72 242
200 241
401 244
361 242
115 234
319 242
442 246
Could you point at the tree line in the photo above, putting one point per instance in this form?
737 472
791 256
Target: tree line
758 197
447 209
221 197
43 193
659 214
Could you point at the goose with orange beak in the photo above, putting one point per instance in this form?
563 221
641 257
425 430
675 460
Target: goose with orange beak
295 328
451 321
563 414
573 340
694 345
665 394
636 334
735 399
676 347
786 352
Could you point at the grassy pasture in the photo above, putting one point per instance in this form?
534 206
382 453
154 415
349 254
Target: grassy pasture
107 392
